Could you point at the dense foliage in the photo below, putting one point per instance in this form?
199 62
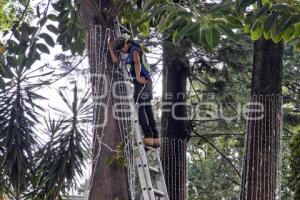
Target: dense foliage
221 37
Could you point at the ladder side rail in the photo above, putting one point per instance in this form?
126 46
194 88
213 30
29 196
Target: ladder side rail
138 138
145 173
142 161
160 180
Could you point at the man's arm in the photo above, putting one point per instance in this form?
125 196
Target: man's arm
112 53
138 68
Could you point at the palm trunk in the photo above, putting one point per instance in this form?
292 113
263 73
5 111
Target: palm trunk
174 130
109 181
260 179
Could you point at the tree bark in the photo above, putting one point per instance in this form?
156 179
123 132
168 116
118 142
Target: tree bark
260 179
174 123
109 181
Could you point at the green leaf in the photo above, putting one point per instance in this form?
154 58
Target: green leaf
48 39
176 37
160 10
266 2
43 48
52 28
297 29
52 17
21 60
148 5
63 26
228 32
219 20
270 21
234 21
73 48
203 41
144 29
12 47
267 35
285 23
296 45
166 20
212 36
247 28
178 23
288 34
11 61
261 11
24 28
276 36
63 15
189 29
256 31
279 7
5 71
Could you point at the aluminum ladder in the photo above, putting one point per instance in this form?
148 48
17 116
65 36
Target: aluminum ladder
148 172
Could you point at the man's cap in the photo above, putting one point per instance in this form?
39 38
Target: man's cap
118 43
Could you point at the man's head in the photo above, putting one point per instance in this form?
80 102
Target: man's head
121 44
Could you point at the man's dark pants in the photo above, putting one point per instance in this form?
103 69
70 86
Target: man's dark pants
143 96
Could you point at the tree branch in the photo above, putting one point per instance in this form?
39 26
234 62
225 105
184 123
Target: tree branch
219 134
222 154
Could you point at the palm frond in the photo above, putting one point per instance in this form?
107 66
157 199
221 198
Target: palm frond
61 160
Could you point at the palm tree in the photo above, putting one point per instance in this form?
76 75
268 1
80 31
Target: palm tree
19 111
60 162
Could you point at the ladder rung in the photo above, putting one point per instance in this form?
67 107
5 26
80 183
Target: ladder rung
159 193
153 169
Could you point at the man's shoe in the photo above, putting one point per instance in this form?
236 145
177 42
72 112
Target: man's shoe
148 141
156 142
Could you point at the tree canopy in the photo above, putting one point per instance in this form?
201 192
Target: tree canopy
220 36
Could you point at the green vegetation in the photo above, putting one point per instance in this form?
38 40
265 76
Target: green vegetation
219 37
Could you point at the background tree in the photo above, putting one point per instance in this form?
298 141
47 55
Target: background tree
19 108
219 71
267 83
181 22
60 162
20 81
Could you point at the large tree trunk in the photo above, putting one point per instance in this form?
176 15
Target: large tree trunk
260 180
174 130
109 181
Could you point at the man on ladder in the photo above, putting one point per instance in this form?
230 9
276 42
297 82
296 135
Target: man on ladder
151 176
140 73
